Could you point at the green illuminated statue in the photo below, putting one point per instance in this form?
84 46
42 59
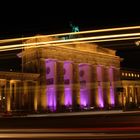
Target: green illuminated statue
74 28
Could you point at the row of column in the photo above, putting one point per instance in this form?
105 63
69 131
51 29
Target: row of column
69 84
17 95
131 95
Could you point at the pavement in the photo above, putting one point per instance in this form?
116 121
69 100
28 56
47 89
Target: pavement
82 113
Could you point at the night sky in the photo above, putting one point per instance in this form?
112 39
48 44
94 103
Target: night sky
27 19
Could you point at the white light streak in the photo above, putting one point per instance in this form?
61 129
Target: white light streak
71 33
69 40
42 44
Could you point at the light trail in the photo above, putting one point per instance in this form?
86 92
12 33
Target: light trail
71 33
95 39
69 130
104 40
30 45
65 135
71 133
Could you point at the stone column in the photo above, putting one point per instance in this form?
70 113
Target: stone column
68 83
111 90
25 95
8 97
93 86
132 97
29 95
126 95
36 95
99 90
85 85
123 96
59 85
51 87
12 94
116 79
42 98
76 87
3 104
19 94
138 95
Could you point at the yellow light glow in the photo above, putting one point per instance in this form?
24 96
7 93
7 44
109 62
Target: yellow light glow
8 105
122 74
103 40
71 33
69 41
125 74
36 97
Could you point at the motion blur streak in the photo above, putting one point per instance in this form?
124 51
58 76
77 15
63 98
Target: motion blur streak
30 45
103 40
73 133
71 33
68 130
68 135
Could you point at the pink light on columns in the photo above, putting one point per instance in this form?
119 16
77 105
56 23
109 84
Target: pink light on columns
51 98
100 97
112 96
112 100
100 89
68 97
84 77
50 65
68 80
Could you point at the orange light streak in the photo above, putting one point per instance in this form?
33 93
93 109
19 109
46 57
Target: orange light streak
71 33
30 45
68 40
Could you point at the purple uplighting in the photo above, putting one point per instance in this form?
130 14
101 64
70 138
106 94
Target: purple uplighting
100 90
68 80
84 77
51 81
84 98
112 99
68 97
100 97
51 99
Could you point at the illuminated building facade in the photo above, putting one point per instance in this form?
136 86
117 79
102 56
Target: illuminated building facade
18 91
68 77
130 82
76 76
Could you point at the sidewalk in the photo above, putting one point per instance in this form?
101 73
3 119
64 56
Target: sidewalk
83 113
62 114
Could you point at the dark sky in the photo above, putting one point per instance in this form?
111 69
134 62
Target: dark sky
26 19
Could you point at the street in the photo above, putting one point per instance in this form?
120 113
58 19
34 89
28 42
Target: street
94 126
81 133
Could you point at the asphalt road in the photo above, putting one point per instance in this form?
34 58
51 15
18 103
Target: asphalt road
97 126
73 121
80 133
